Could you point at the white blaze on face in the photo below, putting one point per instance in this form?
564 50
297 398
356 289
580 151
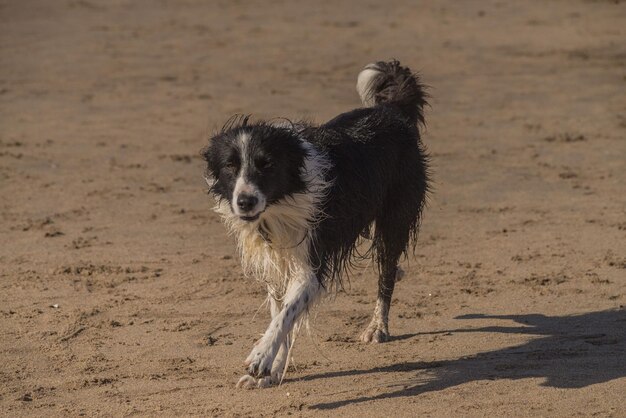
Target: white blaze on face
243 185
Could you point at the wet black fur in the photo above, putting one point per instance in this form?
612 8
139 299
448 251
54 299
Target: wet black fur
379 174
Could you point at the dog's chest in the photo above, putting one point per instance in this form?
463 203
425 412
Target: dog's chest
274 253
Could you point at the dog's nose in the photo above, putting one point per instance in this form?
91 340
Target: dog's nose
246 202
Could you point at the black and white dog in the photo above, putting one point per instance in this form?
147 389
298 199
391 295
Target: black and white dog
298 197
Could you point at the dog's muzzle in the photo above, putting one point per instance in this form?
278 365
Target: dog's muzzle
248 201
247 206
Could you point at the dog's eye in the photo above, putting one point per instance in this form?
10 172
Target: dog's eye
232 164
263 164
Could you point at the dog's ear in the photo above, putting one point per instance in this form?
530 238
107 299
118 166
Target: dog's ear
211 153
210 181
210 173
205 153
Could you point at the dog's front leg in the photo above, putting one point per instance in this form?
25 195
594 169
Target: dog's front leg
278 367
301 293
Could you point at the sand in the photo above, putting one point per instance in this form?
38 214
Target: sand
121 294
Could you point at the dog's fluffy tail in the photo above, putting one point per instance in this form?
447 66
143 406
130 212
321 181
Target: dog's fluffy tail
389 82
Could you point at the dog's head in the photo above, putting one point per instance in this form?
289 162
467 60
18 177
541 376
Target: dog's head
252 166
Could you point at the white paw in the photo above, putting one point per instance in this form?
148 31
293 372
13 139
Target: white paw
260 360
248 382
374 334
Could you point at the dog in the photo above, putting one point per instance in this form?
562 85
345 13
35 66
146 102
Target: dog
299 197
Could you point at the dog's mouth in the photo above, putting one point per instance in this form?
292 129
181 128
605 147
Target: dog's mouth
250 218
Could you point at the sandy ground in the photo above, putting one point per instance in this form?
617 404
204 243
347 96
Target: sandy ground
120 293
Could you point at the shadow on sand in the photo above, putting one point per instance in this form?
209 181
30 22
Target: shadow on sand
571 352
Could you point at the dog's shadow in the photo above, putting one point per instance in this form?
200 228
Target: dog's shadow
570 352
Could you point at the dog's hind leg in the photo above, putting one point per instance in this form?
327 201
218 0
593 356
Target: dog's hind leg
378 329
394 228
301 293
